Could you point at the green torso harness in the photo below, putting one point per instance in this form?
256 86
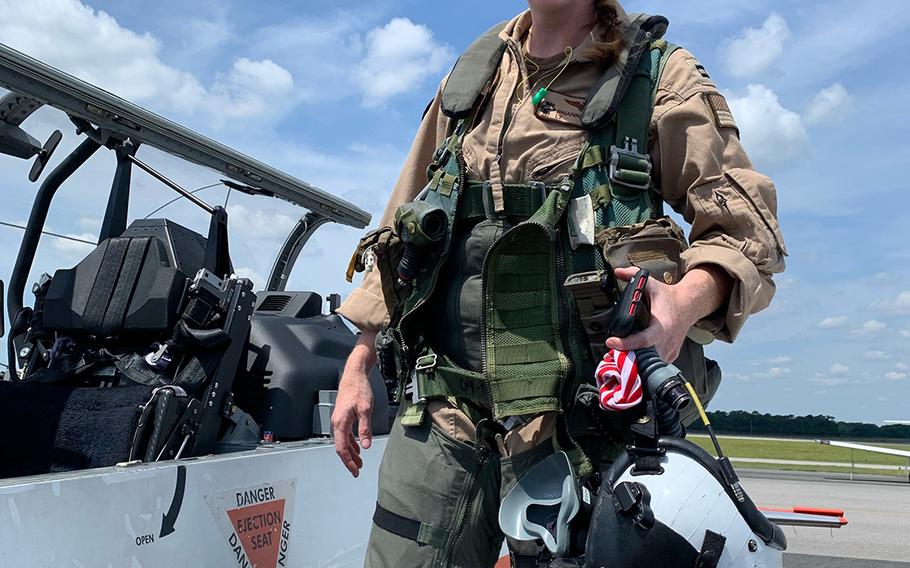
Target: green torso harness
533 352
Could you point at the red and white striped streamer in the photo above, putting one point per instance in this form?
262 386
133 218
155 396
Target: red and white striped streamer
618 380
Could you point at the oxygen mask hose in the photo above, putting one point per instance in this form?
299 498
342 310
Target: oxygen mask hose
664 384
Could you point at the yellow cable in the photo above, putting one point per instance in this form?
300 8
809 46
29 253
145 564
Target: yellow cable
697 401
568 52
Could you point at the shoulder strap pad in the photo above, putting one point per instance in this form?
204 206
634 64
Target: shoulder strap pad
471 73
604 99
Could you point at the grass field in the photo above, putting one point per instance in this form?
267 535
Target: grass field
802 450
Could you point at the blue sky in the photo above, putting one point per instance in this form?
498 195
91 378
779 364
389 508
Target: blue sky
332 93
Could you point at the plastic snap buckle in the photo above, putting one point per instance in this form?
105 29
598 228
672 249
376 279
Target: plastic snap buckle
629 150
541 189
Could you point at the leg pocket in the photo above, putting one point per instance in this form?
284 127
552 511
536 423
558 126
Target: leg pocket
423 478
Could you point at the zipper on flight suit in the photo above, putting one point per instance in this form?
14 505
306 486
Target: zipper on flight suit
466 501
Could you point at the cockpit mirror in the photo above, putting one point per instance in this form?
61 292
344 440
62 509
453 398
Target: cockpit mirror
44 155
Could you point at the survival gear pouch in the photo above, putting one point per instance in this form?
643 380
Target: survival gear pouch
656 245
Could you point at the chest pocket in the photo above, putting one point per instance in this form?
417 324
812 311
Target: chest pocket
553 165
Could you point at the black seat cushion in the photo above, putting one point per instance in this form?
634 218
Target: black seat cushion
51 428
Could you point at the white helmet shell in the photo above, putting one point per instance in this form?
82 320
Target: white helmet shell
683 510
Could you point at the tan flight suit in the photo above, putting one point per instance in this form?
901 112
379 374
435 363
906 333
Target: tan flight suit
703 173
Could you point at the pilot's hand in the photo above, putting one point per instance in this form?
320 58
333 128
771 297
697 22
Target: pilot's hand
676 308
355 402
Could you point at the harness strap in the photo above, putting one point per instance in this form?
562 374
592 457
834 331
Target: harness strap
409 528
521 200
448 380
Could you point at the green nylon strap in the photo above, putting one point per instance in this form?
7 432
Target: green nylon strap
432 536
625 197
446 184
657 70
633 117
448 380
521 200
413 414
593 156
600 196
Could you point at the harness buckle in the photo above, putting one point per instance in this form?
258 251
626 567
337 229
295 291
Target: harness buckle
425 362
627 161
541 188
489 209
512 422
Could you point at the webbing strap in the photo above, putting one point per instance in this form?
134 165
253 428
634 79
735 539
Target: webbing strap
633 118
104 284
126 285
409 528
521 200
445 381
711 549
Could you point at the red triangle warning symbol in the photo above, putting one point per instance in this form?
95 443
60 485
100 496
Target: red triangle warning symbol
259 529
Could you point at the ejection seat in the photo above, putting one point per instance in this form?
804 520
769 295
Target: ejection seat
129 355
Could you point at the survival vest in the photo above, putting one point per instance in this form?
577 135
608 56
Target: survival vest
533 344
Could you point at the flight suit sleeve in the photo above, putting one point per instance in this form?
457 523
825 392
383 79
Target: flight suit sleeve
365 307
704 173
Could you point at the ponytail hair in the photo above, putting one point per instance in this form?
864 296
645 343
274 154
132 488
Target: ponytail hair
608 17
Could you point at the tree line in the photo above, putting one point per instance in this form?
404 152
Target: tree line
758 424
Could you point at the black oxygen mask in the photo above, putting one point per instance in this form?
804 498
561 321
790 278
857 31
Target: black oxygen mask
421 228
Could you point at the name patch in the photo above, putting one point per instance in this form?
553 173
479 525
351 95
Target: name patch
561 108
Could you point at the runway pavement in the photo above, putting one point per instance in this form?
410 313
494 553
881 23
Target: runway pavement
877 508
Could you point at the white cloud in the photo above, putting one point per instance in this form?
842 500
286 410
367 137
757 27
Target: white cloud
876 355
71 252
833 322
897 305
779 360
399 56
259 223
754 49
895 375
93 46
820 379
246 272
252 88
772 373
771 133
839 370
870 327
902 367
827 104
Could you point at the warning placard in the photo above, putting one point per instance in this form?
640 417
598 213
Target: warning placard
256 522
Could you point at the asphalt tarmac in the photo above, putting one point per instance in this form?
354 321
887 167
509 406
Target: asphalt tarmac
877 509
